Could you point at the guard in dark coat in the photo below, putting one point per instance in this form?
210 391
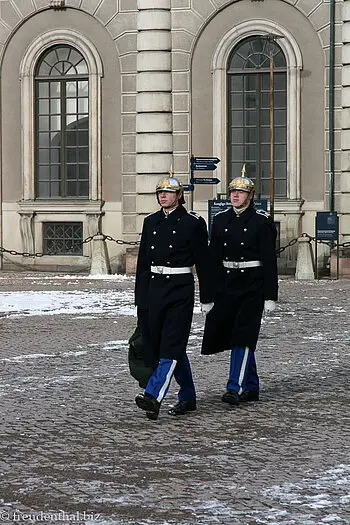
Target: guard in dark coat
243 246
173 241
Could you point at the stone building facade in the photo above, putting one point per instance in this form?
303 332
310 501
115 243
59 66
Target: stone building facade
99 98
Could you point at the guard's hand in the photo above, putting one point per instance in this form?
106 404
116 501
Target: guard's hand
269 306
205 308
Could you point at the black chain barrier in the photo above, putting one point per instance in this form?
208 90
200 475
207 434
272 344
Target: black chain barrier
136 243
85 241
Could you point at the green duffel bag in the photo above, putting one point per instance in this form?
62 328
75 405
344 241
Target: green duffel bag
137 367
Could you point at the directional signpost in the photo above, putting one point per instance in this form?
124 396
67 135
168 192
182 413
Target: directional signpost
203 164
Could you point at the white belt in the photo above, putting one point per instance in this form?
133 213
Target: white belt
169 271
243 264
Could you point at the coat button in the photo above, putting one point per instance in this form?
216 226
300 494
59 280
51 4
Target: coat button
226 230
174 231
154 233
242 271
152 276
245 229
225 243
168 276
168 262
170 245
226 258
242 243
242 257
228 271
152 247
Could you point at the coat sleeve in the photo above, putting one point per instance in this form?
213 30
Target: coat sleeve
202 260
267 249
142 272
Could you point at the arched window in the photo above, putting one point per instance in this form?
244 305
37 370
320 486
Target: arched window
248 82
61 124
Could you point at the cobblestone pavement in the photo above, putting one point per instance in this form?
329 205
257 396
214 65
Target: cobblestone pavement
74 448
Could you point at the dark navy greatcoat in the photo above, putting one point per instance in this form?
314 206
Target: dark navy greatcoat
240 293
165 302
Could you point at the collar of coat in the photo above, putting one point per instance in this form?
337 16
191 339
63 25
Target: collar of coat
173 217
244 216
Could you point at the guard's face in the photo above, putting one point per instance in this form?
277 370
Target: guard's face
168 199
240 199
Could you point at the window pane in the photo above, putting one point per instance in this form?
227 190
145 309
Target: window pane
55 189
250 135
83 173
265 152
71 105
72 171
237 118
280 117
237 135
72 189
281 135
55 155
83 154
71 138
83 105
236 83
55 123
55 172
71 154
44 173
43 123
44 189
280 151
55 106
83 88
43 89
83 138
55 89
71 89
83 189
43 106
280 170
44 139
70 119
265 134
44 156
250 117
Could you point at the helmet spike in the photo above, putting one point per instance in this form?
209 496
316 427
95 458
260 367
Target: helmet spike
244 171
171 171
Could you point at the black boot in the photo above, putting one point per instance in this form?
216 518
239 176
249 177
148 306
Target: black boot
249 395
231 397
182 407
149 404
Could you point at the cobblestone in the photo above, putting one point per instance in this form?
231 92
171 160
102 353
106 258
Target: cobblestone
74 448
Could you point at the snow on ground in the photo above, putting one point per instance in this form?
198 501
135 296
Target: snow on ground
56 302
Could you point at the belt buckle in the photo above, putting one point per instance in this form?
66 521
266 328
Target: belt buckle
235 264
160 269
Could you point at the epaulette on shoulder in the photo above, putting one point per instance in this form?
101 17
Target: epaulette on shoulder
263 212
194 214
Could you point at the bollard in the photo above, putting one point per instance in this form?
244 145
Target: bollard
305 267
99 257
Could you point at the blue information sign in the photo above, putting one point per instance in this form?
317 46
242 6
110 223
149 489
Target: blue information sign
326 226
204 163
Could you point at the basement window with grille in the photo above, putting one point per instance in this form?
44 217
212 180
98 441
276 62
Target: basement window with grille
63 238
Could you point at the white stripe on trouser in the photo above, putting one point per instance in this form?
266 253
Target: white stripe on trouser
243 368
167 381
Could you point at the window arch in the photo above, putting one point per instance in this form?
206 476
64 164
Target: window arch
249 107
62 124
291 51
29 68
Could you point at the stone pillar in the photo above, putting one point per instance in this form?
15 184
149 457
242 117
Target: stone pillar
99 257
344 207
305 266
27 232
154 143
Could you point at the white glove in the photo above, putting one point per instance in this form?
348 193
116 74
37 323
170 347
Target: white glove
206 307
269 306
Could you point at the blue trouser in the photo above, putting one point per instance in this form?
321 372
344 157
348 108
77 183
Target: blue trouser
243 373
159 382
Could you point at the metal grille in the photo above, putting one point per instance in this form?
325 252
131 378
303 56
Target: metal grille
63 238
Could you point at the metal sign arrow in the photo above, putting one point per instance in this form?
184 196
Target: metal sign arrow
205 180
188 187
